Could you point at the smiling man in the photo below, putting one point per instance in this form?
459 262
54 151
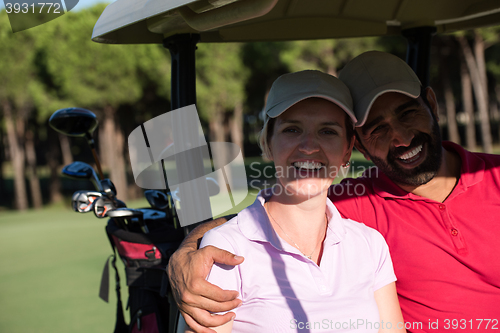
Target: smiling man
436 204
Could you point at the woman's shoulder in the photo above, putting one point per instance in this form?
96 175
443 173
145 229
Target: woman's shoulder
227 230
360 230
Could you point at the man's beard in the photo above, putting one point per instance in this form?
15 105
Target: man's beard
421 174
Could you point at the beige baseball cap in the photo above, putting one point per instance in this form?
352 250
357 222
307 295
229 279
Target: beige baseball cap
373 73
289 89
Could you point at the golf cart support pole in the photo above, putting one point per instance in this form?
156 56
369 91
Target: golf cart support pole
182 50
194 197
183 93
419 50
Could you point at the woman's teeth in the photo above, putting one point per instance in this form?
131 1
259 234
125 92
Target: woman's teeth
410 154
308 165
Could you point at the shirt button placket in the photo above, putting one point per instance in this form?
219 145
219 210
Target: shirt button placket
460 246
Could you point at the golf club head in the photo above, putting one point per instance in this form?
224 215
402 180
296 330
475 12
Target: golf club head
73 121
157 199
82 201
130 214
125 213
102 206
108 187
119 204
82 170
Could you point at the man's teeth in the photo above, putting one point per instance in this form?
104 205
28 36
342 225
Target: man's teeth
307 165
411 153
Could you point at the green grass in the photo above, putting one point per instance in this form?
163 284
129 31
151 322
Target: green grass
51 263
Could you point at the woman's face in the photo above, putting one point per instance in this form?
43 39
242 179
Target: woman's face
309 145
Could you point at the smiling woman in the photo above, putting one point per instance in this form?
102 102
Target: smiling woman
304 263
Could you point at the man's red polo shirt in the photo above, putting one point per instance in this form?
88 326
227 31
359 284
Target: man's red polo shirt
446 255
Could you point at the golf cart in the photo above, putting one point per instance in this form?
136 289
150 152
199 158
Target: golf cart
180 24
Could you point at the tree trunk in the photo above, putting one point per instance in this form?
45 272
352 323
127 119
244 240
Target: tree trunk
52 156
480 92
65 149
2 159
105 138
479 48
494 112
470 127
17 158
215 125
236 126
113 155
450 107
217 134
36 192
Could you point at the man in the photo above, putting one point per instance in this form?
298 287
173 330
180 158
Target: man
436 204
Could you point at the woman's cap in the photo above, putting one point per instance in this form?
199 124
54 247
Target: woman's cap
373 73
289 89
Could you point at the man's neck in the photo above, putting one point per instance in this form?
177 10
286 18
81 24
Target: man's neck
441 186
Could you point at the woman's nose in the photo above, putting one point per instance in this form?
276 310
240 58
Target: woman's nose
309 144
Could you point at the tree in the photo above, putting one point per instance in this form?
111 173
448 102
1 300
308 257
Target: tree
220 85
17 74
446 61
468 105
475 60
327 55
98 77
492 54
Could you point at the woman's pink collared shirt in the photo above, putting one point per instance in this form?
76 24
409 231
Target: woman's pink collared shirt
283 291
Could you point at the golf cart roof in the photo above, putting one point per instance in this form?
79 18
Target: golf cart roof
150 21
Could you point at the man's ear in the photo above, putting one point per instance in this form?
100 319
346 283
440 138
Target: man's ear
431 98
359 146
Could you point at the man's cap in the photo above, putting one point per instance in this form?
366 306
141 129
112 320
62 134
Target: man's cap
289 89
373 73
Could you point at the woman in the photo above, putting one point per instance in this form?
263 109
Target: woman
306 268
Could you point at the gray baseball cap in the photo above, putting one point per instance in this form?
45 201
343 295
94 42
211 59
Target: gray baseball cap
289 89
373 73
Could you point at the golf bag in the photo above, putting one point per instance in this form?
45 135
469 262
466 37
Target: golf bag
145 256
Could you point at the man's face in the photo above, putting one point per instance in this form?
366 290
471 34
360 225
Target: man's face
401 136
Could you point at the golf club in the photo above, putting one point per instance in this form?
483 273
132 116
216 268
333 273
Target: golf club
81 170
77 122
82 201
130 214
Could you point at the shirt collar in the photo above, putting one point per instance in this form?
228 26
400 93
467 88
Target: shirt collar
255 225
472 172
472 169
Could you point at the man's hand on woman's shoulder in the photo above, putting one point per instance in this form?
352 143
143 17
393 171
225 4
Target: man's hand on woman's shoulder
187 271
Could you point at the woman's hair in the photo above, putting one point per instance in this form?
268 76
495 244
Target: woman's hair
265 135
267 132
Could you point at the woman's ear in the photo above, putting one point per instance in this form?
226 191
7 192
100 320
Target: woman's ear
347 156
269 153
